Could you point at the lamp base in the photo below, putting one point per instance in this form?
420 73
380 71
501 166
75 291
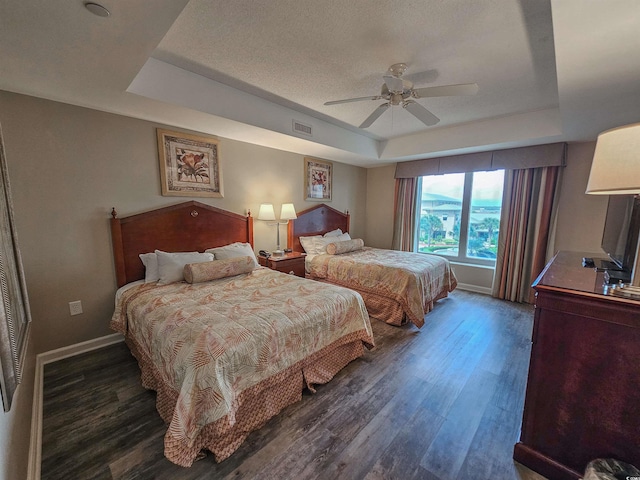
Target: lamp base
278 253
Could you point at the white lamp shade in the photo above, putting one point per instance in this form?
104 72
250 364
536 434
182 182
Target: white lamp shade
288 212
266 212
616 162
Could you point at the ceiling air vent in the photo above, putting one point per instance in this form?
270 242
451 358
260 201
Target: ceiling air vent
299 127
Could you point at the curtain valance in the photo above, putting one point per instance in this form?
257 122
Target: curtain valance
548 155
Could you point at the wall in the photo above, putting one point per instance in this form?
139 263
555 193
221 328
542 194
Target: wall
580 216
69 165
380 200
579 224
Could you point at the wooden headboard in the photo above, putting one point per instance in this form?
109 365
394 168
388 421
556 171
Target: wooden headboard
185 227
316 220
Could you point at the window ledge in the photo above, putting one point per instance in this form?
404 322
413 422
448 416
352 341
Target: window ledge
475 265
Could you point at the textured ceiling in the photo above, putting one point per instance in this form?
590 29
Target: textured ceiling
547 70
302 53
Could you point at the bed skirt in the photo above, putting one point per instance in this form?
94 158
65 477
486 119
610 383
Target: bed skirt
387 309
254 406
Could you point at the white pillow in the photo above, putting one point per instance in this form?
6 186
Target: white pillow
171 265
308 243
333 233
234 250
150 261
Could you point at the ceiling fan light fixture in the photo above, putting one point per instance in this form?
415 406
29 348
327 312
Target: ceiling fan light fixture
396 99
398 69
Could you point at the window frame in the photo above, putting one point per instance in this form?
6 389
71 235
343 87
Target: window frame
465 215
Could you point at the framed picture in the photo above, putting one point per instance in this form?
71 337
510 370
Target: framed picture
318 179
189 165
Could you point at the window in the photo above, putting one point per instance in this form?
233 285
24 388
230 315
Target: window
460 216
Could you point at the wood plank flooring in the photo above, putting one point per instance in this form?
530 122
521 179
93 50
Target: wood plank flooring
441 403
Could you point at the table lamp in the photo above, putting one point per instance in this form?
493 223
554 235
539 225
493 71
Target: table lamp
267 213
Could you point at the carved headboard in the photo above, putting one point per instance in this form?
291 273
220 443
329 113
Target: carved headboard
185 227
316 220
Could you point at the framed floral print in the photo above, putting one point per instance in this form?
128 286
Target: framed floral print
318 179
189 165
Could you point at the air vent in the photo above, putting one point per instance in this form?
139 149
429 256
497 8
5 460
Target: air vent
299 127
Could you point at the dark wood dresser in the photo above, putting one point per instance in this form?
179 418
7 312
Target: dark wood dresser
583 390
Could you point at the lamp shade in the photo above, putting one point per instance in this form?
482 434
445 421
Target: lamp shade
266 212
288 212
615 169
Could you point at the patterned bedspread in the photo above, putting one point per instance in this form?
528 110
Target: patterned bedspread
414 280
211 341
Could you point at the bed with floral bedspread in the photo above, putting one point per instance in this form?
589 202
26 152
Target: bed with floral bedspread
396 286
227 355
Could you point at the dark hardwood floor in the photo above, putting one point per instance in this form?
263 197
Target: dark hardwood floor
443 402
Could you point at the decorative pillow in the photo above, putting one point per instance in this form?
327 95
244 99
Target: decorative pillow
308 243
150 262
337 248
171 265
205 271
333 233
234 250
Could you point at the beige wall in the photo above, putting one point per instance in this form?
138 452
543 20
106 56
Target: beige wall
580 216
380 199
69 165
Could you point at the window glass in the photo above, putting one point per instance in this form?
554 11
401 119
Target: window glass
440 213
460 215
484 216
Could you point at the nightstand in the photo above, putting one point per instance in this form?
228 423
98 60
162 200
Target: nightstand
292 263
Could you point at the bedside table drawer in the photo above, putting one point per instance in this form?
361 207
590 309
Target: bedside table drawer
294 266
292 263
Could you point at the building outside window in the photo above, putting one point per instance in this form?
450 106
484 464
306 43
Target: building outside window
460 216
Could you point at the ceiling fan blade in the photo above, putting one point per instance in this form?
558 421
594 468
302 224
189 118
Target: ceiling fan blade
446 90
374 116
394 84
349 100
421 113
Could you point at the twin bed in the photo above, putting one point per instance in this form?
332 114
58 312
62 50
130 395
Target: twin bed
227 351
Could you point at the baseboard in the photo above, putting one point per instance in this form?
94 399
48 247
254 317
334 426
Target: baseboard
78 348
474 288
35 445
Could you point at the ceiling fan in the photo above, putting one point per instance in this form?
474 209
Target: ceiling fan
399 91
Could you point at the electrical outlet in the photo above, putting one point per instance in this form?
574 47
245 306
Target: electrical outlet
75 308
